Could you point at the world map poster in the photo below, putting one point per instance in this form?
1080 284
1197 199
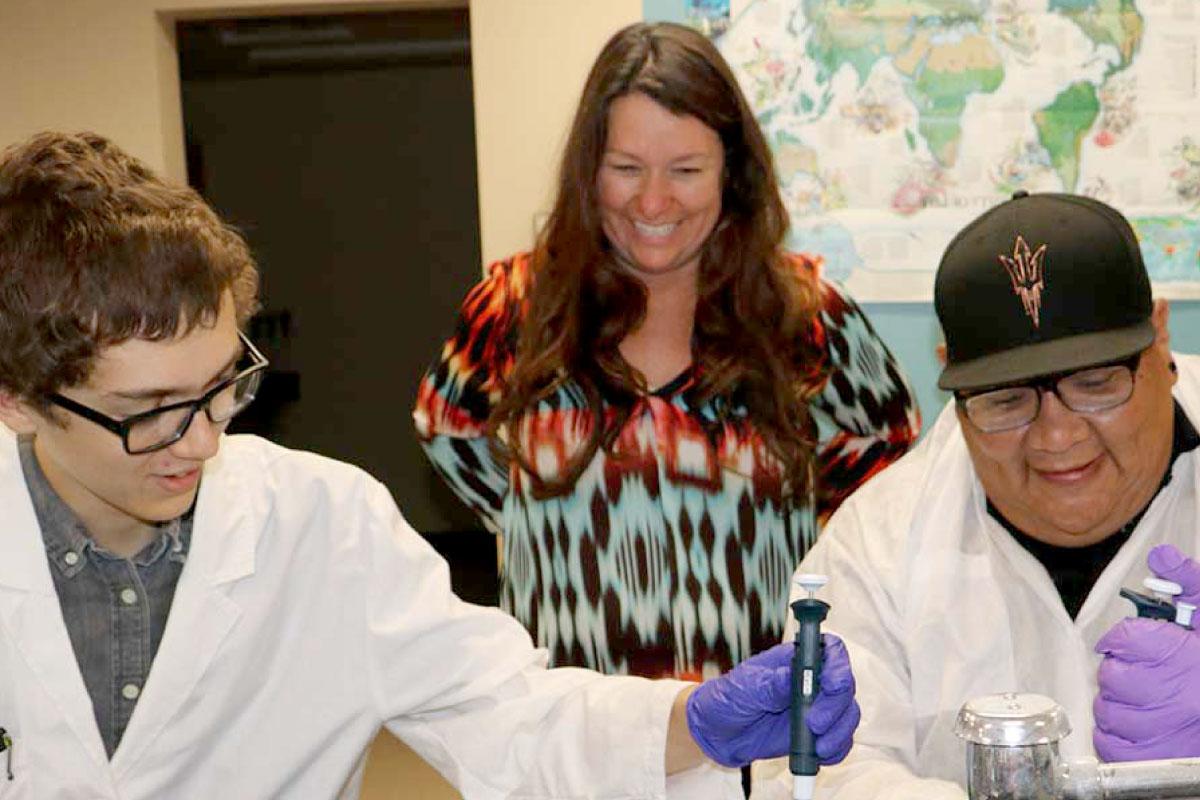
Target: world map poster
895 122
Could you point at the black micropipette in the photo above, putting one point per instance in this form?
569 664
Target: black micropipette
1159 605
806 682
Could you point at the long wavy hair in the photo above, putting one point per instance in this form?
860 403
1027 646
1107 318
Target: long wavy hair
752 342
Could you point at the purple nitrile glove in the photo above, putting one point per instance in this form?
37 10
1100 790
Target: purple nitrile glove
1148 706
1168 563
742 715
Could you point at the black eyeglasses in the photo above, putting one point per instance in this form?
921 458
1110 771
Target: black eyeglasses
1085 391
162 427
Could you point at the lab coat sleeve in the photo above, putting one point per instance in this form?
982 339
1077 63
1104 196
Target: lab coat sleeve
867 612
869 414
465 688
465 381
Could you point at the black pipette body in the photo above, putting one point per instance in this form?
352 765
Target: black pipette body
806 681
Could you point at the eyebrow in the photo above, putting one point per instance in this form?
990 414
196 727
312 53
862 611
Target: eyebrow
159 393
613 151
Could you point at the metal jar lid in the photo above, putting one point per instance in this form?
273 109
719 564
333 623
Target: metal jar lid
1012 720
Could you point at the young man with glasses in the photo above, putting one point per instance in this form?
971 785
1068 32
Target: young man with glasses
188 616
990 558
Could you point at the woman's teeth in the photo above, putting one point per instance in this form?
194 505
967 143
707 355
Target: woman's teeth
655 230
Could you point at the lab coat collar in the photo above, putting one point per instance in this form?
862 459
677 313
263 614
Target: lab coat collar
224 540
223 545
30 615
226 529
23 564
225 537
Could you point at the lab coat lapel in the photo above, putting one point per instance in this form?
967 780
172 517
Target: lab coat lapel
29 610
1025 565
224 539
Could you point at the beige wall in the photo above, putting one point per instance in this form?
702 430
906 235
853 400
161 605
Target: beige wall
529 59
109 66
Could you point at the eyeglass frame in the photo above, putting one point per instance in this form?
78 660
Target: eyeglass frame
121 427
1049 383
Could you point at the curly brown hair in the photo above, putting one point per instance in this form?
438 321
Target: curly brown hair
752 338
95 249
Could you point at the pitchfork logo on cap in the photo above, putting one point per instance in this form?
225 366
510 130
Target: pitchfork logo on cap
1025 271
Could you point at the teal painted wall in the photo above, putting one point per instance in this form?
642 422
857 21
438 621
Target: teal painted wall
911 331
664 9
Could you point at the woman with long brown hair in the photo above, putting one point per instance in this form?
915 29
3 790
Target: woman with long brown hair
634 404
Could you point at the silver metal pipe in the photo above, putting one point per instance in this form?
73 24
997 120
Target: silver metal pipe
1134 780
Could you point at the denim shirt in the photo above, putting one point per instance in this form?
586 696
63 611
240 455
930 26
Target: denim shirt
115 609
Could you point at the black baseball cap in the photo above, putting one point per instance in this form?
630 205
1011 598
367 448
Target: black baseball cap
1041 283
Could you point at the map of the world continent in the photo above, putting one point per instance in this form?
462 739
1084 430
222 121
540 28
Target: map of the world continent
895 122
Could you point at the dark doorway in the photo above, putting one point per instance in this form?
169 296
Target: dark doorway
343 147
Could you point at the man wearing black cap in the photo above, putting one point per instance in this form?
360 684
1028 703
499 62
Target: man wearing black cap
990 558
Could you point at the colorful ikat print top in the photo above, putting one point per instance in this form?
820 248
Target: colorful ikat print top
674 552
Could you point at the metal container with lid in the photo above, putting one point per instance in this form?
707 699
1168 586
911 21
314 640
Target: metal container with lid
1012 720
1012 746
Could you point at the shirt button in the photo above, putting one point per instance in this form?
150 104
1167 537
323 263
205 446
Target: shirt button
71 558
130 691
128 596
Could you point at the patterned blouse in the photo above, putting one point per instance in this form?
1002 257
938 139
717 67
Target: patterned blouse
673 553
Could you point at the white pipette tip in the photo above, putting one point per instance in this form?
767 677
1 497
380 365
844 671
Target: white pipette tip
803 787
810 582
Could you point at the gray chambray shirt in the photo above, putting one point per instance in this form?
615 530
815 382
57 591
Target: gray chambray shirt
115 608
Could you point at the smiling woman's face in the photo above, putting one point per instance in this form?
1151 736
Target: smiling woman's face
1072 479
659 185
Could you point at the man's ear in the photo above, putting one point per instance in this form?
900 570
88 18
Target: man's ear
1159 317
15 414
940 352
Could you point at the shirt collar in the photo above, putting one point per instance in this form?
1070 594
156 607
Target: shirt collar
65 536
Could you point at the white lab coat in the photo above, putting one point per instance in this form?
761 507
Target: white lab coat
938 604
308 614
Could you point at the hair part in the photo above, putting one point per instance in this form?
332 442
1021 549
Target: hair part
755 310
95 249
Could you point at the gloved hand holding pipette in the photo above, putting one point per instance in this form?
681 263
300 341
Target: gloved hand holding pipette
743 715
1148 704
